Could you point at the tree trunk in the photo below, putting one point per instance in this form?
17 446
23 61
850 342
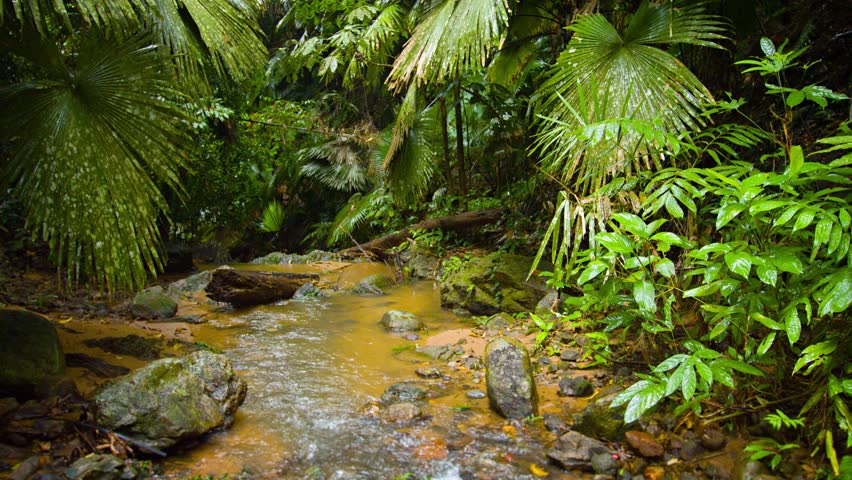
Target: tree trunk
462 221
243 288
460 143
445 137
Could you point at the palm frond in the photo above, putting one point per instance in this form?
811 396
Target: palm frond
454 37
354 214
272 219
85 143
522 45
603 74
408 171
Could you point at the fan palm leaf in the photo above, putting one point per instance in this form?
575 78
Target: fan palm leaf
194 31
406 169
605 74
88 141
453 37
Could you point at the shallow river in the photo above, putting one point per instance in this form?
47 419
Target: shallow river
311 367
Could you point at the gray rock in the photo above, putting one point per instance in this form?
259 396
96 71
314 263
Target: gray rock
373 285
569 355
171 400
403 392
574 450
599 421
191 284
509 378
575 387
499 321
475 394
422 266
400 321
713 439
153 303
25 469
308 290
402 412
96 467
492 284
30 353
554 423
191 319
547 303
603 463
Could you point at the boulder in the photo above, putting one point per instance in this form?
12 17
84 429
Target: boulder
575 387
403 392
574 450
509 378
499 321
308 290
400 321
243 288
191 284
153 303
492 284
421 266
373 285
30 353
172 400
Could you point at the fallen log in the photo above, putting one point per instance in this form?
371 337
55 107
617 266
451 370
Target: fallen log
462 221
243 288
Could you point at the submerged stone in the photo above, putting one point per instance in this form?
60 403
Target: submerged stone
509 378
373 285
400 321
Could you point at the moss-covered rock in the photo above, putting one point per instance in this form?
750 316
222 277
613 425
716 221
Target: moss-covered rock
492 284
172 400
373 285
153 303
400 321
30 352
509 378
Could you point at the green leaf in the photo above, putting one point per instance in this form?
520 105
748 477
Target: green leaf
741 367
705 372
673 207
702 291
787 215
615 242
767 47
804 219
766 205
632 223
787 261
670 363
666 268
739 263
792 325
594 269
839 293
644 400
767 275
766 344
795 98
672 239
689 381
643 292
814 355
728 213
722 374
845 218
766 321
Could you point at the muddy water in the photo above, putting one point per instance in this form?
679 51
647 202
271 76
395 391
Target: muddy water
311 367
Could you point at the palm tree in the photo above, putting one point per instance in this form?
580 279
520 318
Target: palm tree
96 120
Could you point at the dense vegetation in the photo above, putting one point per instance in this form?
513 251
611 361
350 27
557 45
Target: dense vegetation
684 165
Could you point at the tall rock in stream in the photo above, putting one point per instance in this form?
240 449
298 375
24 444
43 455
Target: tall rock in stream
173 399
509 378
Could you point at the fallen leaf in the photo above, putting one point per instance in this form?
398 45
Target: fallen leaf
538 471
510 430
66 320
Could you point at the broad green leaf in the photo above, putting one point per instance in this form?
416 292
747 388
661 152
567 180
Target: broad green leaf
845 218
673 207
722 375
766 321
643 292
594 269
643 401
615 242
728 213
787 262
787 215
702 290
804 219
705 372
766 205
689 381
707 353
632 223
767 275
666 268
822 233
795 98
631 263
675 381
741 367
672 239
766 46
739 263
792 325
766 344
839 294
670 363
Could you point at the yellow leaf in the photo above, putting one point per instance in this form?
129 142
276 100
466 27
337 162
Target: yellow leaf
119 357
176 347
538 471
66 320
510 430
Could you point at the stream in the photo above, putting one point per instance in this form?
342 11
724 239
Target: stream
314 367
